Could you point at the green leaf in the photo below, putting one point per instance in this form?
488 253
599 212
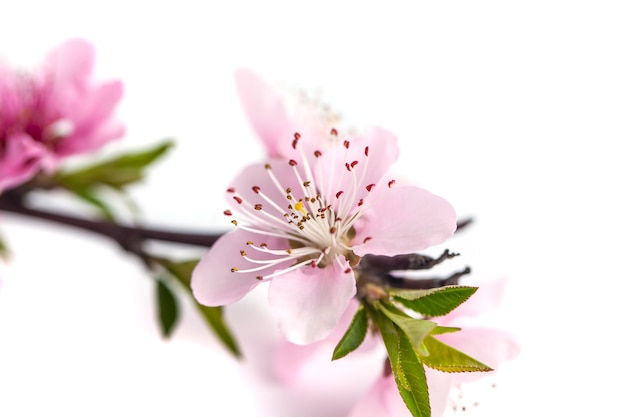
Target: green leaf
213 316
445 358
354 336
167 308
444 329
407 370
434 302
116 172
4 250
415 329
89 197
181 270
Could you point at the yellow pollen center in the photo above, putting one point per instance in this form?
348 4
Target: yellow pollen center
300 207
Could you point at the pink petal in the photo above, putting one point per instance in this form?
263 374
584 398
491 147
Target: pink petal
213 283
490 346
405 220
70 64
382 151
383 398
91 114
266 111
293 360
309 302
21 161
256 175
439 384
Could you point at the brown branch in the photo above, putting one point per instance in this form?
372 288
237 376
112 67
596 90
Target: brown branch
130 238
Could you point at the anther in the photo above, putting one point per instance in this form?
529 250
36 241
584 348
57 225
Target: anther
333 230
369 187
346 144
296 136
230 190
317 154
268 166
263 245
306 183
367 151
228 213
333 131
347 270
256 189
367 239
391 183
238 199
234 269
360 203
292 163
234 222
258 206
249 243
259 277
338 194
353 164
243 252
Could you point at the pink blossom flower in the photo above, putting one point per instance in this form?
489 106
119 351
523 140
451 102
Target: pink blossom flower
489 345
54 112
305 217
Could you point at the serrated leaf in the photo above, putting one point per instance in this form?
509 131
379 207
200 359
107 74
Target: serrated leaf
213 316
445 358
434 302
444 329
407 370
416 397
354 336
167 308
415 329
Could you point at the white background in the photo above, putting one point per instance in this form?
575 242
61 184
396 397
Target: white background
513 111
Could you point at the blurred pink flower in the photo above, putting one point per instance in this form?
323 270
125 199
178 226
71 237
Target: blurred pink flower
306 215
489 345
54 112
